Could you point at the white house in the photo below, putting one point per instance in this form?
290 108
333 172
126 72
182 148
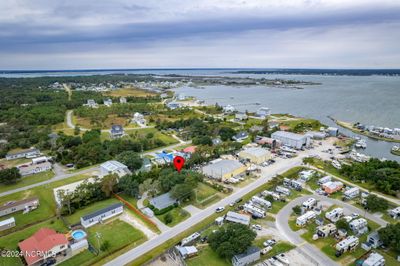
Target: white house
101 215
310 203
352 193
347 244
122 100
395 213
107 102
31 169
7 224
240 116
253 210
138 118
359 226
334 215
263 112
91 103
114 167
260 201
374 259
229 109
237 218
30 153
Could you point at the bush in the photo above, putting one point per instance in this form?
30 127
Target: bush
297 209
168 218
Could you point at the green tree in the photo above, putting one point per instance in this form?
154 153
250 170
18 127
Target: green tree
130 159
226 133
342 224
129 185
108 184
374 203
297 209
231 239
182 191
168 218
77 130
9 176
105 245
390 236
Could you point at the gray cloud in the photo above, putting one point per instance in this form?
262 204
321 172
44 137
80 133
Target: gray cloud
102 34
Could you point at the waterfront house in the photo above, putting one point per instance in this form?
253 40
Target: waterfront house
44 244
138 118
240 116
22 205
229 109
263 112
102 215
117 131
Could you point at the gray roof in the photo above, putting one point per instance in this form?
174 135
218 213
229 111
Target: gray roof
256 151
100 212
18 203
238 218
23 152
117 129
240 135
251 250
288 135
163 201
221 167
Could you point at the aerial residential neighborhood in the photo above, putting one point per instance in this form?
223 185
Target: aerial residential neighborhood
200 133
287 188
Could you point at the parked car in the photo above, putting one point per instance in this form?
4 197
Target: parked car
355 215
219 209
266 250
269 243
256 226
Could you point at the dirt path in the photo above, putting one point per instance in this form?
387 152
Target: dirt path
127 217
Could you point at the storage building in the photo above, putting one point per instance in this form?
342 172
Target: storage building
292 140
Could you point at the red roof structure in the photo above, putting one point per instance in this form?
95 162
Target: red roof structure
44 240
190 149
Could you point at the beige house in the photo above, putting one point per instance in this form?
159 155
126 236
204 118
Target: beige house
255 155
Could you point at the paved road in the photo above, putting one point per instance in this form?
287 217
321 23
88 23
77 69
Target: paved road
54 179
136 252
282 225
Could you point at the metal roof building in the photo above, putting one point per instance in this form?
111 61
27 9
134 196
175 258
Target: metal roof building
237 218
256 155
292 140
223 169
163 201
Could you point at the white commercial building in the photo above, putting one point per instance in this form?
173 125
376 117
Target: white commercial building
292 140
255 155
114 167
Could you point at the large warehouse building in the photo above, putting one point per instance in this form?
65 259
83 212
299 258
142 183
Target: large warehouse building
255 155
224 169
292 140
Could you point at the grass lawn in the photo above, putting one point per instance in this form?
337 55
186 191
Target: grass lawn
130 91
204 191
119 234
280 247
75 217
178 215
47 208
207 257
29 180
10 242
13 163
142 133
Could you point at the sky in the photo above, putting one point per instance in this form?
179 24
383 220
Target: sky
94 34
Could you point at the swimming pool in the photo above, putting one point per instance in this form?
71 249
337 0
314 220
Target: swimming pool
78 234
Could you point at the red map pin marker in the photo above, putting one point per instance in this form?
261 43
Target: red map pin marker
179 161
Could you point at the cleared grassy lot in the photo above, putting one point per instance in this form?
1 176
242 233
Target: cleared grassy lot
117 233
29 180
178 215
